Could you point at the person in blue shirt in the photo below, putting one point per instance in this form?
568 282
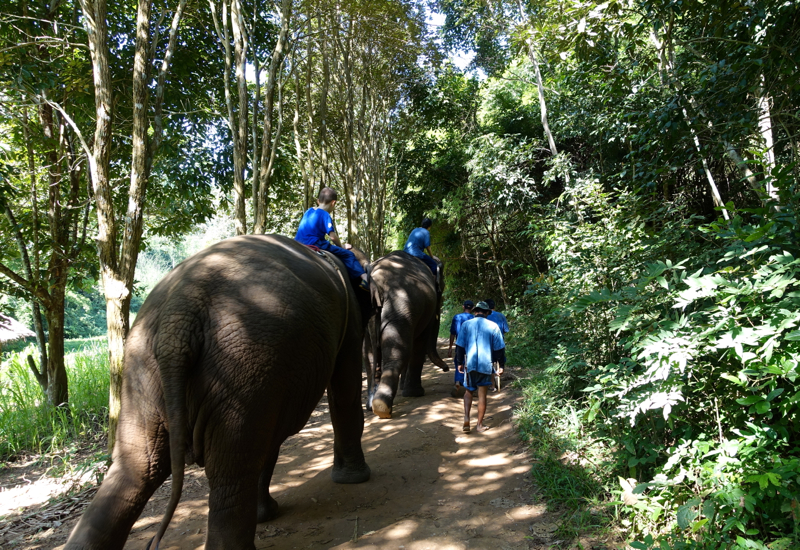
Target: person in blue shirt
317 224
458 320
497 317
479 345
419 241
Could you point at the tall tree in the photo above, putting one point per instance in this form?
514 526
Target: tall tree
44 196
118 256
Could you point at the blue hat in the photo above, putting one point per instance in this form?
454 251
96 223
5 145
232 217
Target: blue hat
468 303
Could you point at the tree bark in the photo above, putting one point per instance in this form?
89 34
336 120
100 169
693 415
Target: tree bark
269 143
224 35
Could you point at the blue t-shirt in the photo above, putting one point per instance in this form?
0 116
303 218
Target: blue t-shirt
316 223
479 337
417 242
499 319
458 320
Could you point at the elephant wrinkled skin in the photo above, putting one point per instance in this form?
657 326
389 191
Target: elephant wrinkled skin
228 357
403 331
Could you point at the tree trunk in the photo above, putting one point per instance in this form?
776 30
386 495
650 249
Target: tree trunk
223 33
765 128
240 130
57 385
269 143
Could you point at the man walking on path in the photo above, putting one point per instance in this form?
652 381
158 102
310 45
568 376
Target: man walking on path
478 346
455 325
497 317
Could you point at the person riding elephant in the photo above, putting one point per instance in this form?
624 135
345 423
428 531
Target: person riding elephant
403 331
229 356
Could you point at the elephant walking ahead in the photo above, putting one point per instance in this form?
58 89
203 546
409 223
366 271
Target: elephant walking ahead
403 331
227 358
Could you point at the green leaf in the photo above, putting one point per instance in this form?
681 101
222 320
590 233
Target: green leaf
685 516
762 407
750 400
731 378
697 525
774 393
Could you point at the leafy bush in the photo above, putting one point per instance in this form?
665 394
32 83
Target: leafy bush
704 403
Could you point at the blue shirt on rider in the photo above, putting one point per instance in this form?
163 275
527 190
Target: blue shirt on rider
479 338
417 242
499 319
316 223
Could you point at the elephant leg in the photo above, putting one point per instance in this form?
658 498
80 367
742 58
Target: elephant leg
347 417
141 464
395 341
233 480
267 506
369 366
412 379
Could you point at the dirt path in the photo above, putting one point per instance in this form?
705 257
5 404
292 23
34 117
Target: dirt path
432 486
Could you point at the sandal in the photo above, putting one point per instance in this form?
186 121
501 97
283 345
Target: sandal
465 428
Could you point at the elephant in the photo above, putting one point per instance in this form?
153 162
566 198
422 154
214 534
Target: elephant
228 356
404 329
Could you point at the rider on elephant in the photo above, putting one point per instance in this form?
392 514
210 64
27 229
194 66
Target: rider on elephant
317 223
419 241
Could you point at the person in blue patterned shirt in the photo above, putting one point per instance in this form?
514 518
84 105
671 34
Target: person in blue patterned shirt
478 347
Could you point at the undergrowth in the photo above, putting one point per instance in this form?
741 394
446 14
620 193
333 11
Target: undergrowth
570 465
28 425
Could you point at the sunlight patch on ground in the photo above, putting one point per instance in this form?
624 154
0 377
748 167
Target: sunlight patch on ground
489 461
401 530
38 491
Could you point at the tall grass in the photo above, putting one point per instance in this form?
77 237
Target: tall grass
29 425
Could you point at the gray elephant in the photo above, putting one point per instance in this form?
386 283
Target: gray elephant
403 331
228 357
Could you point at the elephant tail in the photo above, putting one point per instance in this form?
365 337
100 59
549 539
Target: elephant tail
174 367
176 451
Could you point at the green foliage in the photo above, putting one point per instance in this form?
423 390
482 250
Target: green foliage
569 468
29 425
703 399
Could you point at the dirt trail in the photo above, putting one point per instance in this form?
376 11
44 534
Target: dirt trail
432 486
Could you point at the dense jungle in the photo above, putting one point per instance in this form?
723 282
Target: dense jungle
619 177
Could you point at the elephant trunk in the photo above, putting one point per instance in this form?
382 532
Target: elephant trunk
431 351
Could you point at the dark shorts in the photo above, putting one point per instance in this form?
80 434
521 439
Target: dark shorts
475 379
